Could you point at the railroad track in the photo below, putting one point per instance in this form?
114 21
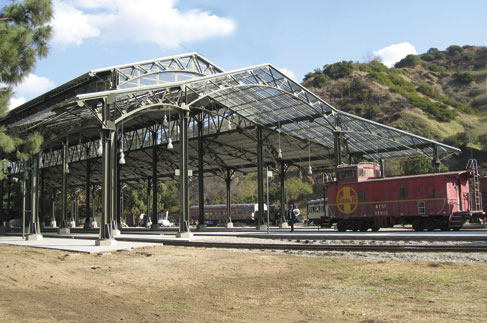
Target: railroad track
316 247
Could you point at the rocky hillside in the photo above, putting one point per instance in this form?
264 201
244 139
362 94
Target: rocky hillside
439 94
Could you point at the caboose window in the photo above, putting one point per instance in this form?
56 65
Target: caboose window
360 172
421 207
346 174
361 196
403 192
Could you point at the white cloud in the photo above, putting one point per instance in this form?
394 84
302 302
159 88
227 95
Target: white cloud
156 21
15 102
34 84
288 73
394 53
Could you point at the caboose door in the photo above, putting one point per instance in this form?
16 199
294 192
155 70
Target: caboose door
459 195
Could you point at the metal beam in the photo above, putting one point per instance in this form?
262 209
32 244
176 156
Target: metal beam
201 192
260 179
155 224
183 175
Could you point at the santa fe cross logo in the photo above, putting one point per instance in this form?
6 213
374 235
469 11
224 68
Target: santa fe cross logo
347 200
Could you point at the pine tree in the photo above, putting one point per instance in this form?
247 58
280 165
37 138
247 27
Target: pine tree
24 34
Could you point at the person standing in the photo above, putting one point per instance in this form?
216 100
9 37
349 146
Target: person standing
292 218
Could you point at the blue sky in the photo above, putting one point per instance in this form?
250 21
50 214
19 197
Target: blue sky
295 36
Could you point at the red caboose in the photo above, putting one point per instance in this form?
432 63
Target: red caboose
361 199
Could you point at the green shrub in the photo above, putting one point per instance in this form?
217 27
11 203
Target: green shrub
377 66
365 68
480 101
380 78
408 61
338 70
458 139
320 80
427 57
417 165
482 139
454 50
464 78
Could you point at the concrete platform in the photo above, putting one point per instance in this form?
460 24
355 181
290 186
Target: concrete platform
73 245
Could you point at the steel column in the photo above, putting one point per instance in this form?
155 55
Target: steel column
148 215
282 177
9 191
1 203
113 181
228 181
34 194
42 216
436 161
337 148
260 177
108 132
118 199
183 166
65 186
155 224
87 192
201 190
24 202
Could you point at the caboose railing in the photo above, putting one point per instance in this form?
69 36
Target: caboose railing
475 197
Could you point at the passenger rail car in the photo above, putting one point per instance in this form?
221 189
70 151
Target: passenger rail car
215 214
317 211
361 199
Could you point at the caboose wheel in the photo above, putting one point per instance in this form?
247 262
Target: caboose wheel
418 225
341 226
375 228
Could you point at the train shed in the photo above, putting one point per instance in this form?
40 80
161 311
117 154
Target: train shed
178 116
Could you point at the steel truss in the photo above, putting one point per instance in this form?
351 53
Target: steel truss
218 122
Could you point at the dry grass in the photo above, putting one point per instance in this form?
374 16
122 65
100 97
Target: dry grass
171 284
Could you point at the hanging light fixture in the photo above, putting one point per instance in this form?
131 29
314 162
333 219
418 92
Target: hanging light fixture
279 152
310 170
164 121
169 140
41 162
99 151
121 161
67 168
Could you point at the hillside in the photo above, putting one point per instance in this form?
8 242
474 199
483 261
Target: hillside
441 95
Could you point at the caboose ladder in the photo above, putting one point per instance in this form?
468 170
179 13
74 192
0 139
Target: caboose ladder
476 202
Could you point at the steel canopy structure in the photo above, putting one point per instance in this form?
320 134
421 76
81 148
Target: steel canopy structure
185 113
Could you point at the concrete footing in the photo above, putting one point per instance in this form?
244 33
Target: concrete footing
284 225
261 227
115 233
64 231
184 235
229 225
106 242
33 237
201 227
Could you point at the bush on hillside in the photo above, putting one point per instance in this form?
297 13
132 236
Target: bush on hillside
338 70
427 57
454 50
417 165
408 61
458 140
464 78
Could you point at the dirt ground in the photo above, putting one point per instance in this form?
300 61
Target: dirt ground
176 284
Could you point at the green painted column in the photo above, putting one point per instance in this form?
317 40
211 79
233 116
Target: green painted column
183 166
260 177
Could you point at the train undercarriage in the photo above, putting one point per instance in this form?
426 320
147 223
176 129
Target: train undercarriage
419 223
